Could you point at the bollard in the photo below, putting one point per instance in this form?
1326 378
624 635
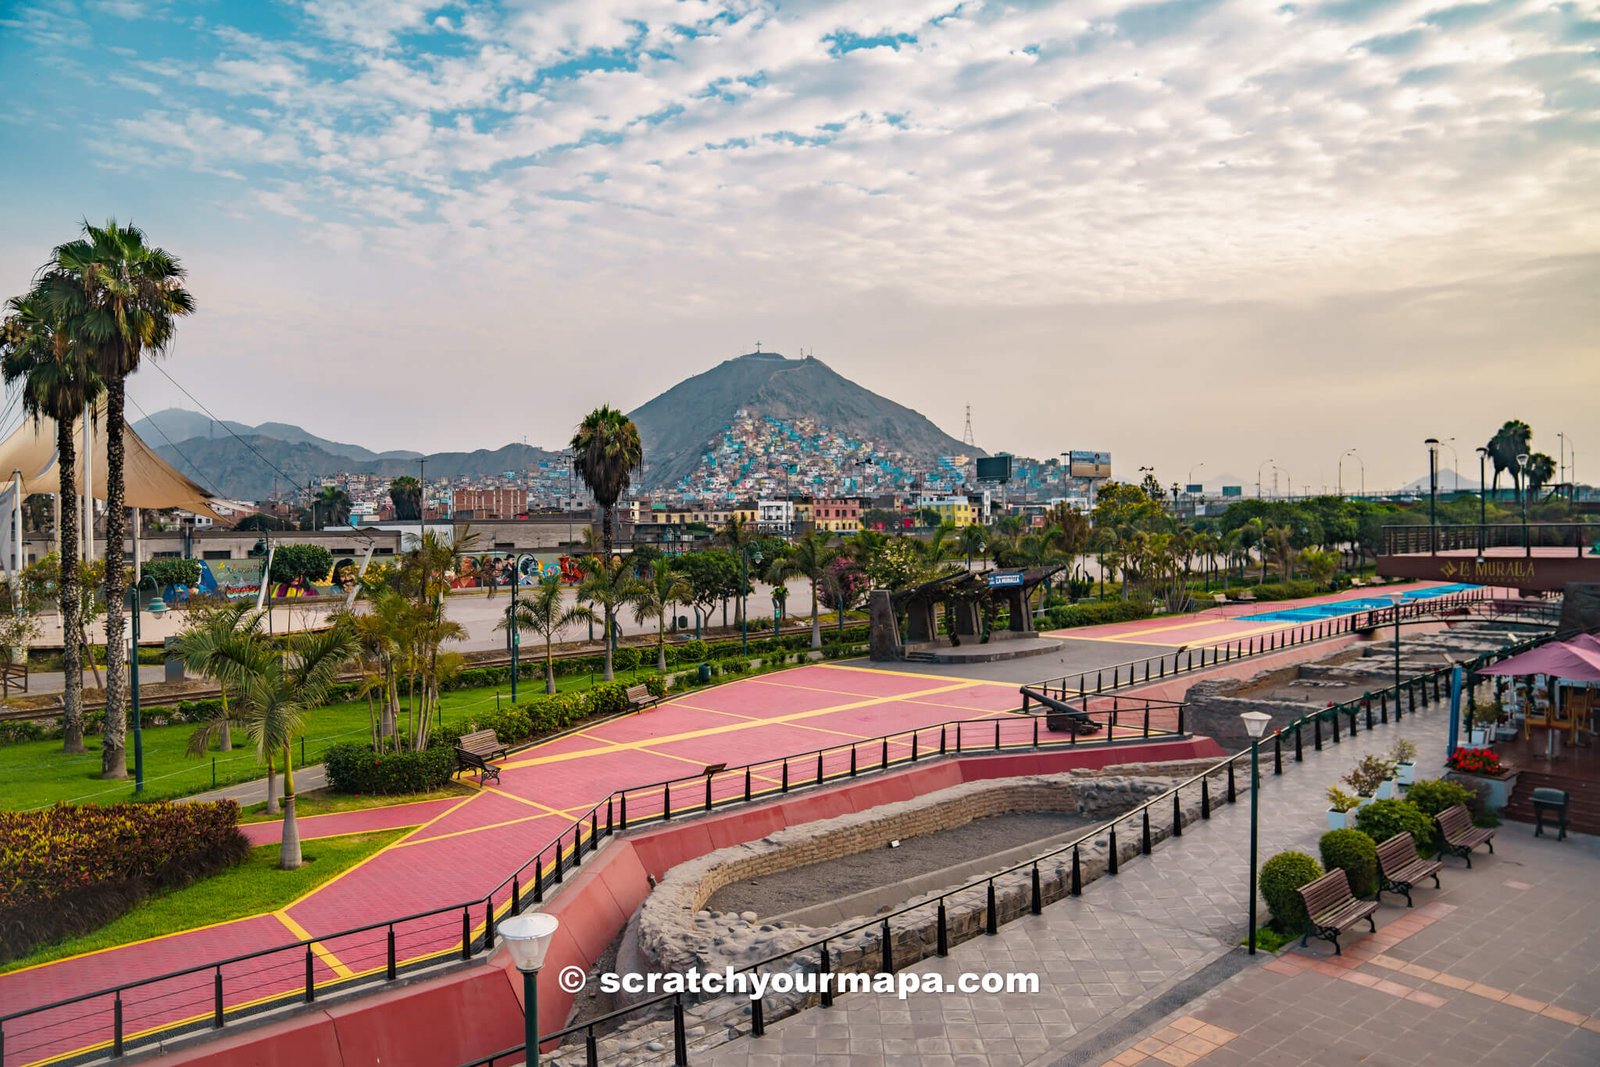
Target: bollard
944 931
1036 902
1111 852
1077 874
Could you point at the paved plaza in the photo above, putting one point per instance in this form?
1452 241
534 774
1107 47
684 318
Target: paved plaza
1500 967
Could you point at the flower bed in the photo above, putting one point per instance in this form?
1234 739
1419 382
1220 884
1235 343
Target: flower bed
68 869
1475 761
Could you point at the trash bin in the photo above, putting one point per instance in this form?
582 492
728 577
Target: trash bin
704 674
174 662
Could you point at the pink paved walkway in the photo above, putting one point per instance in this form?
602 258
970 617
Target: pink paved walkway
461 849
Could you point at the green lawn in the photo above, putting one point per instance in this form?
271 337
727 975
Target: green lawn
253 887
36 773
323 802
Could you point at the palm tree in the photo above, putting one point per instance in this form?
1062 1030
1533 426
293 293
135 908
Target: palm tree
810 557
737 535
278 689
333 505
378 633
133 295
39 349
972 542
609 582
1541 469
606 453
1509 441
543 611
202 647
405 493
653 599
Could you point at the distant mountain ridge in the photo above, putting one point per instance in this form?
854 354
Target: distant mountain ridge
681 429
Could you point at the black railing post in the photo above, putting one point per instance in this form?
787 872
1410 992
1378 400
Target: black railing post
622 812
1368 705
1077 874
1035 732
538 878
886 753
1277 752
216 999
852 759
1299 742
1144 845
997 735
991 921
388 970
943 931
747 785
1036 900
680 1037
666 801
1111 851
488 922
591 1052
825 968
819 766
1336 727
1205 798
116 1025
888 947
466 946
1177 815
941 740
708 792
1316 729
958 738
758 1022
311 984
783 783
611 803
1233 793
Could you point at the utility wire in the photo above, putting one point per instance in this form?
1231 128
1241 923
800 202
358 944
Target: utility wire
210 488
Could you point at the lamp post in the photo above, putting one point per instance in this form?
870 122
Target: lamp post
1363 463
1255 724
1455 464
527 938
1522 485
744 595
1433 494
1287 477
1483 499
1397 600
158 607
511 617
1261 467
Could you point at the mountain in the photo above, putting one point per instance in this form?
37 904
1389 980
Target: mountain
683 425
174 426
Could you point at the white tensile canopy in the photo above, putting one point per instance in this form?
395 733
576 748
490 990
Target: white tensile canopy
150 481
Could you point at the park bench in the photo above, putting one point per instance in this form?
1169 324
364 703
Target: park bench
1247 595
639 698
475 750
1400 868
1332 909
1458 836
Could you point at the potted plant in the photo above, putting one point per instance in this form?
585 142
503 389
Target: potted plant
1480 726
1481 769
1341 809
1404 755
1370 778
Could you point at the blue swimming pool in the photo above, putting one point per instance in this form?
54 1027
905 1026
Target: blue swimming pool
1336 608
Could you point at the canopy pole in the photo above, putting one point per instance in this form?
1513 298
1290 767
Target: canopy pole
138 559
86 538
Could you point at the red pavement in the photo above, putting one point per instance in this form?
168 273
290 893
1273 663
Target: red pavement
461 849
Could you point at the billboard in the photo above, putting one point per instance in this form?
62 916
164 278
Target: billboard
1233 490
1194 489
1089 464
994 468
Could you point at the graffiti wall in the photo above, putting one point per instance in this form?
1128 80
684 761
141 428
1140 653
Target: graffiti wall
240 579
495 569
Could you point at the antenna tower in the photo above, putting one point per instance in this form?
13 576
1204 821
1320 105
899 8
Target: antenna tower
966 435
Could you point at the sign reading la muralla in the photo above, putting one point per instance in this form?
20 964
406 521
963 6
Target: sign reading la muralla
1540 572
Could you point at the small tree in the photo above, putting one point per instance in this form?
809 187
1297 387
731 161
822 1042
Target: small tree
302 564
1280 882
543 611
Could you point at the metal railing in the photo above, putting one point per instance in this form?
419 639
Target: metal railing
149 1011
1421 540
1288 742
1209 656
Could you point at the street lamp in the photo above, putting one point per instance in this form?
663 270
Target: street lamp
1287 477
1455 464
1483 500
1255 724
1522 484
511 617
527 938
1259 469
745 554
1397 600
1433 493
158 608
1357 455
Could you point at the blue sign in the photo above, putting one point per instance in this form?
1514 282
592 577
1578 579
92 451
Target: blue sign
1005 578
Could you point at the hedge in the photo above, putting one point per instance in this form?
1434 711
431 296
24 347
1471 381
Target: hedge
1096 613
1382 819
355 768
68 869
1280 882
1433 795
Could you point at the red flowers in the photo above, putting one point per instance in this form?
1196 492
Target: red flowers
1475 761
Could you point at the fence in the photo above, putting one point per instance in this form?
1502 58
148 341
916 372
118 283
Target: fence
1417 540
1163 812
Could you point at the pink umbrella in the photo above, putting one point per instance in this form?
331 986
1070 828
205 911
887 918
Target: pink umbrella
1588 641
1568 662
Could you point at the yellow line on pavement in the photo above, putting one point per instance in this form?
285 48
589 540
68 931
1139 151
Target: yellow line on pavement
910 674
302 934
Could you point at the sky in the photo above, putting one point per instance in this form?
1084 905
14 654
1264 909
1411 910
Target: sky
1210 237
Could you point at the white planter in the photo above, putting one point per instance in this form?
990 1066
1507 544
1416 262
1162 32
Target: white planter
1386 791
1479 737
1341 820
1405 772
1362 801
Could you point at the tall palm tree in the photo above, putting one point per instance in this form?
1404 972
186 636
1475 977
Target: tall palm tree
332 505
972 542
609 582
133 296
405 493
654 597
737 535
39 349
606 453
1509 441
543 611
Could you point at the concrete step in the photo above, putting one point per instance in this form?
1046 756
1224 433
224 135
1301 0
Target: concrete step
1583 800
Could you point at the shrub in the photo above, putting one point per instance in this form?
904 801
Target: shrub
608 699
1382 819
1433 795
510 725
68 869
694 652
556 711
354 768
1280 882
1096 613
1369 774
625 658
1356 854
1339 800
657 686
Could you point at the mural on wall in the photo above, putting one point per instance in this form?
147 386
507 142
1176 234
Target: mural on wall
240 579
495 569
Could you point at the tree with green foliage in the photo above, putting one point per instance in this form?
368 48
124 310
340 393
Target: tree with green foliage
654 597
405 494
810 557
294 564
204 647
543 610
609 582
1512 439
42 354
131 295
713 574
331 507
606 454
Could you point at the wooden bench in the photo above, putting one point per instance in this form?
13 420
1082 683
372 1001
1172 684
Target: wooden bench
1458 836
1220 599
1400 868
1332 909
639 698
1246 595
475 750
